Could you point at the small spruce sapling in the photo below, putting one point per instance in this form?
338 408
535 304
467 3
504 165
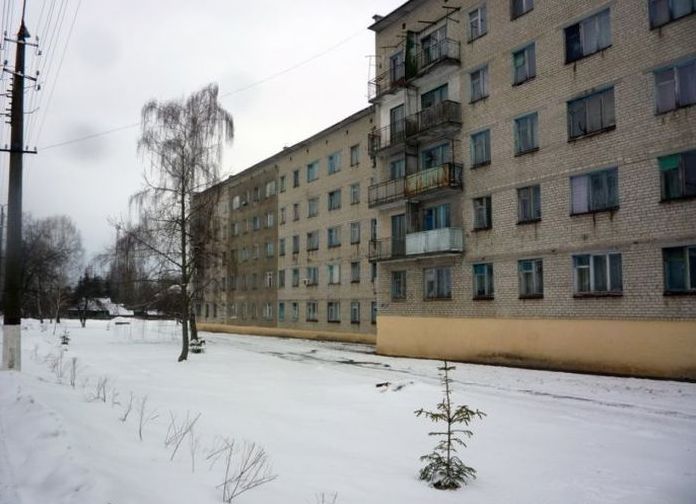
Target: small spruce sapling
444 469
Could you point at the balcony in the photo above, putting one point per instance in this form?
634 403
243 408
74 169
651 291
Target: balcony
385 192
388 137
444 51
444 240
445 176
386 249
388 82
440 119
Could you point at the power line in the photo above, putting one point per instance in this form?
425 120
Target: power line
224 95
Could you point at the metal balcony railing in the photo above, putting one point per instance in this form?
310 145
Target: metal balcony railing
388 136
445 113
387 248
434 241
385 192
444 50
387 82
445 176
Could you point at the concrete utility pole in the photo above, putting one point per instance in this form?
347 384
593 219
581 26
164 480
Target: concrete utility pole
11 334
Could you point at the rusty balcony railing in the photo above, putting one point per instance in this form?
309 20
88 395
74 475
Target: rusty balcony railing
444 176
443 114
430 55
385 192
387 82
387 248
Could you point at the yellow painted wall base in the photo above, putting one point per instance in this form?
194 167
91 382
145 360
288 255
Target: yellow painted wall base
290 333
653 348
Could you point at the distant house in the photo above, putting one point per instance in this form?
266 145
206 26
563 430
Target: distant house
100 308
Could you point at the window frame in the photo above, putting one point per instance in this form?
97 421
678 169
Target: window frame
536 273
578 30
354 314
531 123
591 208
398 285
485 203
675 86
479 15
482 78
529 4
534 198
473 142
333 236
671 18
441 279
333 312
688 254
591 266
586 102
529 53
685 175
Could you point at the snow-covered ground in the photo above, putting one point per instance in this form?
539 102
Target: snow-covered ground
327 429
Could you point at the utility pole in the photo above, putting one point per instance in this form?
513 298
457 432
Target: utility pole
2 260
11 348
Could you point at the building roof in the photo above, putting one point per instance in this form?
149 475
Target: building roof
382 22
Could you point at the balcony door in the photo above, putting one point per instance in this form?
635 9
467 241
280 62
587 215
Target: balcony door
398 233
396 120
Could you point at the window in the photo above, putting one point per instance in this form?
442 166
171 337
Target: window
355 155
595 192
254 280
373 229
523 65
591 114
235 229
232 282
252 311
312 171
432 45
256 223
282 215
232 309
313 240
526 135
334 163
678 175
269 279
528 204
355 272
295 277
312 276
597 273
479 84
483 281
281 247
397 68
666 11
435 156
334 236
355 193
256 194
335 199
270 188
296 244
481 148
334 272
281 312
295 311
519 7
436 217
333 311
312 207
296 178
355 312
587 37
531 274
397 169
354 232
282 188
675 87
312 311
433 97
437 283
679 269
295 211
268 311
270 219
281 279
482 213
269 249
373 312
398 285
478 25
236 202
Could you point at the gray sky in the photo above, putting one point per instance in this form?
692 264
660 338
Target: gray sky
123 53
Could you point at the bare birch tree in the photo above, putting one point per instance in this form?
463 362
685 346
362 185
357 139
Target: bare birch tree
183 141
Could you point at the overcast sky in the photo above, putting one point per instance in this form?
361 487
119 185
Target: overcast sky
124 52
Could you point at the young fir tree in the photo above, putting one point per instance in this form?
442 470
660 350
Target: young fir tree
444 469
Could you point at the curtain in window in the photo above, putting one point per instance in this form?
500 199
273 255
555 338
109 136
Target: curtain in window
608 112
519 62
589 34
582 273
577 121
579 189
604 25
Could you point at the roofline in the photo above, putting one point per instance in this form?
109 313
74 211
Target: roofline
293 148
401 11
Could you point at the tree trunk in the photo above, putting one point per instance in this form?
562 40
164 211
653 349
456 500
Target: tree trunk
194 326
185 311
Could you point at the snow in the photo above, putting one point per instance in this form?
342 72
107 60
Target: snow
314 407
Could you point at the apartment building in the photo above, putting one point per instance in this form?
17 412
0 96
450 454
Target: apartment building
295 253
536 167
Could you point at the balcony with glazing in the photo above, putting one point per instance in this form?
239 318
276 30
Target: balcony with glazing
447 176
